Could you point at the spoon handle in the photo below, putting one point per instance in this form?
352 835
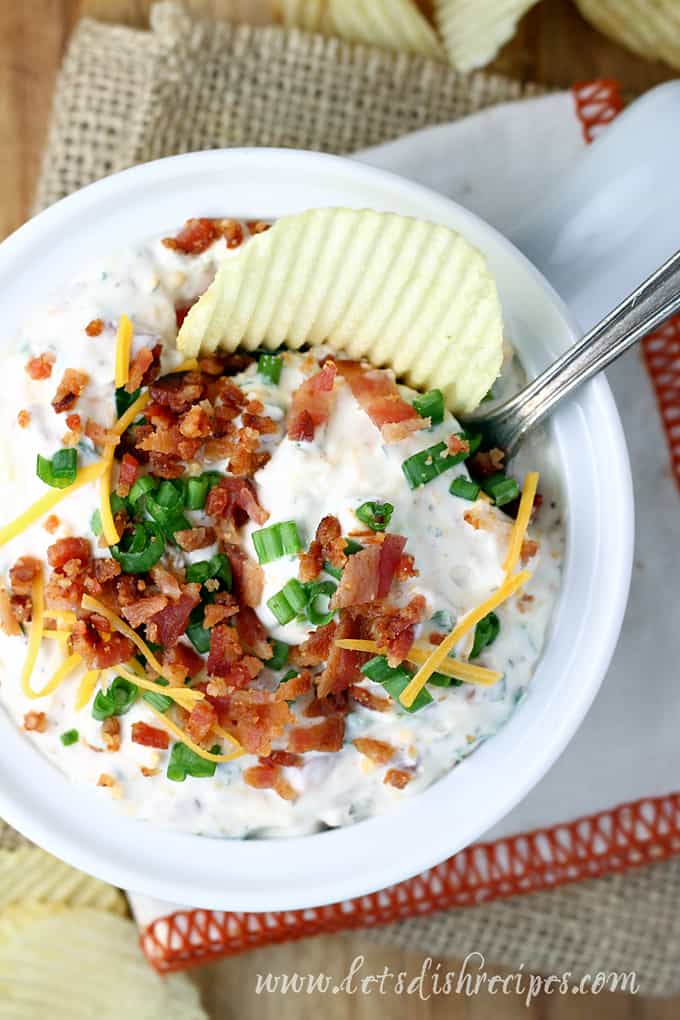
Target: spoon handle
654 301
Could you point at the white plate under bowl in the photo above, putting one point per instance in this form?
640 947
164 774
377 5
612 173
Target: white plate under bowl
259 875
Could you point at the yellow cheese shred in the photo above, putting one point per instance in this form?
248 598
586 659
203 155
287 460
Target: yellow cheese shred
179 733
109 529
521 524
95 606
435 659
58 677
184 696
35 636
123 348
48 501
66 616
419 654
86 689
126 419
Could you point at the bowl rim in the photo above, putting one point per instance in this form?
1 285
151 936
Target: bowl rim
246 875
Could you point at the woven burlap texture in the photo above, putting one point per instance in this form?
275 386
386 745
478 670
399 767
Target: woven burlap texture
127 96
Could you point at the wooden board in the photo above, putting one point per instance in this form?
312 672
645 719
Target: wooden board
553 46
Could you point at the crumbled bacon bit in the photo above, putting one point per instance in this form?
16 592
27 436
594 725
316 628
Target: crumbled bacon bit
247 576
235 500
106 568
201 720
190 539
524 602
254 717
111 733
8 620
394 628
268 777
69 389
332 704
528 550
35 721
196 423
215 613
377 394
394 432
23 574
100 435
172 621
180 662
225 364
406 567
137 613
435 638
94 327
311 404
311 562
24 419
127 476
100 648
40 367
378 751
144 367
283 758
231 231
368 699
294 688
178 391
257 226
106 780
316 648
342 667
147 772
369 574
397 778
324 736
456 445
69 559
195 237
487 462
166 582
225 649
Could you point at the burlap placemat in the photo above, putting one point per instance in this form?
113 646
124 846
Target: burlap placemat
127 96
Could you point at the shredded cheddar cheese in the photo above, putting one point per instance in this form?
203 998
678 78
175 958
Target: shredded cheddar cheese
435 659
123 348
86 689
58 677
419 654
65 615
48 501
126 419
35 636
521 524
184 696
179 733
109 529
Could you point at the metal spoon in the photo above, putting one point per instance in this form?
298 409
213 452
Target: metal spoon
654 301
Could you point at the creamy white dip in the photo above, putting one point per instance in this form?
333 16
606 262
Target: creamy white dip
346 464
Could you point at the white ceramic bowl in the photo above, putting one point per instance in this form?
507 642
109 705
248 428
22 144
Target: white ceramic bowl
299 872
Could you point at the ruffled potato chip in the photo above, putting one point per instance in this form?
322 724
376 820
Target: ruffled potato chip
397 291
29 873
17 916
389 24
474 30
648 27
82 964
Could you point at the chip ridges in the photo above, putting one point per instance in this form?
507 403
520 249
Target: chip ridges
400 292
30 873
474 30
650 29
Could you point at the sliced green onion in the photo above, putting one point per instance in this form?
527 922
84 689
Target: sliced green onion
486 632
139 549
140 488
165 506
441 680
501 488
280 656
335 572
212 478
196 632
197 493
317 590
60 471
426 465
124 400
185 762
394 680
288 602
96 523
375 516
269 367
116 700
442 619
117 503
464 488
70 737
431 405
288 676
218 567
161 702
352 547
276 541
